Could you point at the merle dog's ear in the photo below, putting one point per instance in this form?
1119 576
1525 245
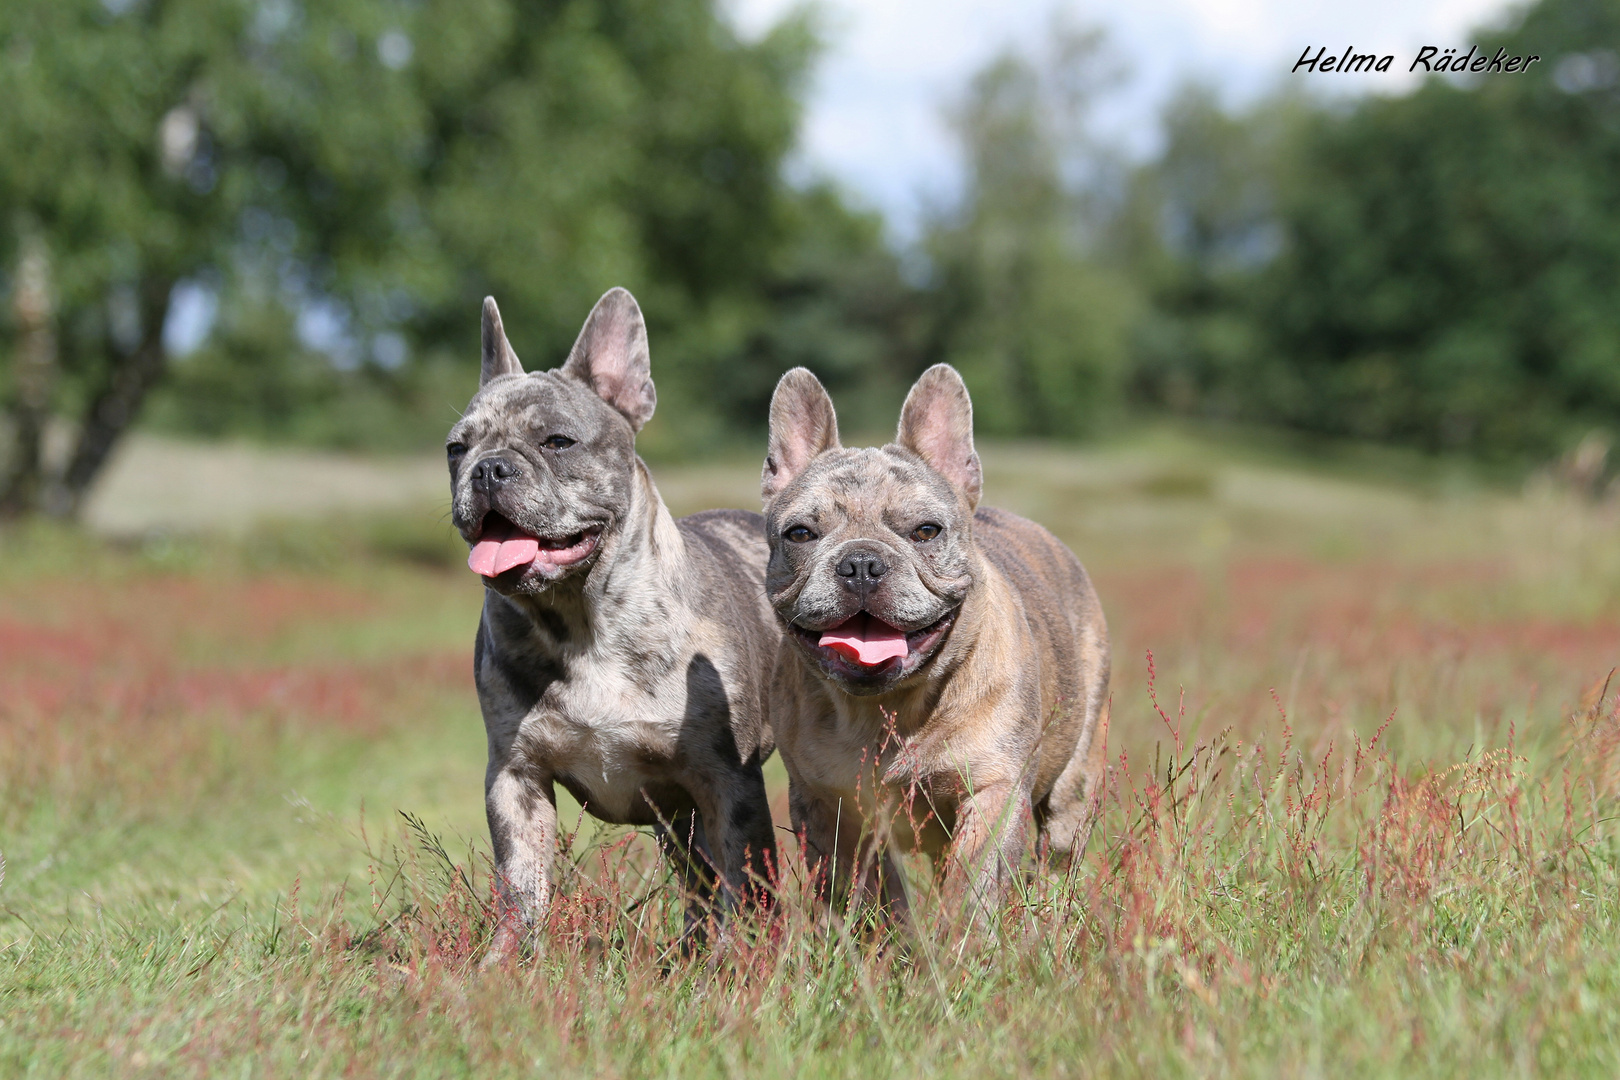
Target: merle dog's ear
499 359
803 425
610 356
936 424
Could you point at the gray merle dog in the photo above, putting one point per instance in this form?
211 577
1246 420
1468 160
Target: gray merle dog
621 653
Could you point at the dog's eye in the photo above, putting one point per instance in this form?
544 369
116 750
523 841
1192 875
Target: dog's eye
557 442
455 450
924 533
799 535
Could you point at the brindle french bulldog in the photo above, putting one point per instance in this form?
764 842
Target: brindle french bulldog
622 654
944 670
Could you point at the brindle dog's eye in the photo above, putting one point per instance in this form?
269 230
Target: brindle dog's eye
924 533
799 535
558 442
455 450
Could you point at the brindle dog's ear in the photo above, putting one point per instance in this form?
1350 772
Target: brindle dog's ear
610 356
803 425
499 359
936 424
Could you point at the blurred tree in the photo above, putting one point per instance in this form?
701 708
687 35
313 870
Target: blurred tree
318 195
831 299
33 375
1440 268
1452 271
1200 222
1021 305
151 144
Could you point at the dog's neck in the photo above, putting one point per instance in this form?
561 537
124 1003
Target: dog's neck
642 564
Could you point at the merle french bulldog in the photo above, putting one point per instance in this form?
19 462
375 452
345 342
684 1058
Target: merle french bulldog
622 654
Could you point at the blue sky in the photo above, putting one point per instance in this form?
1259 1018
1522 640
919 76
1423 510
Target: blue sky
874 119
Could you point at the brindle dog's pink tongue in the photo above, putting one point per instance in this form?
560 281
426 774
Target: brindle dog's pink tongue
865 640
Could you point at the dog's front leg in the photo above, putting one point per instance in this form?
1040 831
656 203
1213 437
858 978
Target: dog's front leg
522 815
986 847
828 834
847 863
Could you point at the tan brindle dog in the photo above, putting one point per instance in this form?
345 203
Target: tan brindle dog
944 670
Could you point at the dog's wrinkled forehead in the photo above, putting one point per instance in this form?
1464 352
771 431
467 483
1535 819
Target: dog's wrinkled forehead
869 487
535 407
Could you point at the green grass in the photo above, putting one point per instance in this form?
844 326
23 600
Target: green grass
205 748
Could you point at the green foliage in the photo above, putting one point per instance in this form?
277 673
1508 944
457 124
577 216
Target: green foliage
1199 223
347 180
1021 306
832 301
1444 261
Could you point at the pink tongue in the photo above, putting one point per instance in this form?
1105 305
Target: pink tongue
865 640
497 555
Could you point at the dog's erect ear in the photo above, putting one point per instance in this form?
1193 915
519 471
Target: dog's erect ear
610 356
499 359
803 425
936 424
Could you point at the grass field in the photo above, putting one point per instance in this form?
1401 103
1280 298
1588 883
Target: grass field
1363 815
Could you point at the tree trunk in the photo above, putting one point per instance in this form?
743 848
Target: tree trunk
33 379
118 403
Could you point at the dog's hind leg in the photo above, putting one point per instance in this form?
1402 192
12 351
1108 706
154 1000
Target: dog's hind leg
737 820
1071 808
686 846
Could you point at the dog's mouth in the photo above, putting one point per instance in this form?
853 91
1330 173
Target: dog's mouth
866 647
502 548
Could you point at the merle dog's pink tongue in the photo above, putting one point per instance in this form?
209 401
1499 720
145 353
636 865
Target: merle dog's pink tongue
865 640
500 550
494 557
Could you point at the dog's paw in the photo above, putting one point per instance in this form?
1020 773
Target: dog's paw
506 947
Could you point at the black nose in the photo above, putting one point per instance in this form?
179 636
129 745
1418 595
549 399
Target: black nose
862 570
491 473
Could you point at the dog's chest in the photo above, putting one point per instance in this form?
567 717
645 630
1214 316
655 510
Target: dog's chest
874 774
839 757
850 754
606 739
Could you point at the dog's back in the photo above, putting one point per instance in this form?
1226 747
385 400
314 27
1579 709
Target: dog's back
734 535
728 553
